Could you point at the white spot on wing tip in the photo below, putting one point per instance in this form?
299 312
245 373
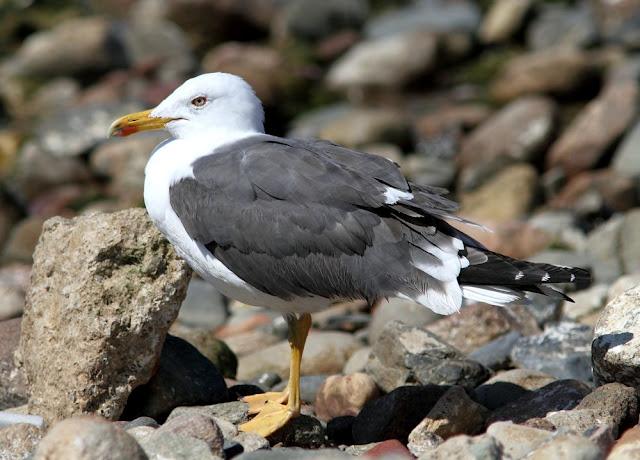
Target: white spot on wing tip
573 277
519 275
546 277
393 195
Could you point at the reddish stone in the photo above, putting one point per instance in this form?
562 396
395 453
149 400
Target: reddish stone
391 447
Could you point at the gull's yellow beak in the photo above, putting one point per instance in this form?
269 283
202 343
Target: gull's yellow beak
136 122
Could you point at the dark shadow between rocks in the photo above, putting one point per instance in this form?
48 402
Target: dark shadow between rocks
498 394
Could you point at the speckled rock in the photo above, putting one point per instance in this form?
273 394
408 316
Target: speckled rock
302 431
405 354
19 441
104 290
568 447
615 347
13 389
88 438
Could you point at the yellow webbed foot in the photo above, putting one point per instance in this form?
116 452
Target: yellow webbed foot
271 418
258 401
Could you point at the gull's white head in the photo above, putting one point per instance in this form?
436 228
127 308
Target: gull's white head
210 104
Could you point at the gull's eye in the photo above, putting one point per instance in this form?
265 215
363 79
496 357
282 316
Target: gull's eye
199 101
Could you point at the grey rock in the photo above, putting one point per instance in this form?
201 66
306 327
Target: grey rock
507 386
36 171
558 395
310 124
13 389
517 440
388 62
394 415
154 39
59 51
78 130
141 421
234 412
603 247
203 307
626 159
358 361
113 299
422 441
496 354
520 131
325 352
12 294
19 441
86 438
405 311
615 345
15 416
465 447
503 20
432 15
176 447
311 20
295 453
309 386
586 302
568 447
623 284
562 351
302 431
429 170
405 354
122 161
629 246
183 377
563 25
194 426
251 442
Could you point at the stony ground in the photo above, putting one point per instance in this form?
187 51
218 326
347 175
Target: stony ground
527 111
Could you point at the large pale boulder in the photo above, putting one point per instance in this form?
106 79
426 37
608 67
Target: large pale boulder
104 290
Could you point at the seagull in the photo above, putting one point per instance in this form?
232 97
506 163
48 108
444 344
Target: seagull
296 225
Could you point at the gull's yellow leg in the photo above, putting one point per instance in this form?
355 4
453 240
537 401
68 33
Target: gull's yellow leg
273 414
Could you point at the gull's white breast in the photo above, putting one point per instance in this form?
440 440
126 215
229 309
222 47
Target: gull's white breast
171 162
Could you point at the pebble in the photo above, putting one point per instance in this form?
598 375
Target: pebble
87 438
19 441
389 449
466 447
295 453
615 346
394 415
13 390
194 426
628 446
507 386
234 412
325 352
504 19
405 354
562 350
344 395
603 247
454 413
405 311
173 446
563 25
558 395
478 324
251 442
389 61
357 362
302 431
131 279
496 354
518 440
568 447
184 377
595 128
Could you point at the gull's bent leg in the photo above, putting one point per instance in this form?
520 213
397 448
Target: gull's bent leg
272 413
